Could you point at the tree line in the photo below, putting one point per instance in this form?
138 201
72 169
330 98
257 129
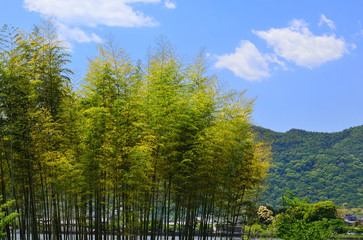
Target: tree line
143 150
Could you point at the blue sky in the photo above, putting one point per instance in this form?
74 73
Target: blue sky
302 60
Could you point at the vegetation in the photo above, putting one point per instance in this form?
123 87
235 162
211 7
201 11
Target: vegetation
300 220
348 236
144 149
319 166
6 219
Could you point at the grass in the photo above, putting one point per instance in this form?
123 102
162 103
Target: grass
350 236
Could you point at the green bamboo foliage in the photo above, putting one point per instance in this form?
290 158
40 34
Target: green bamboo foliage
33 89
18 102
143 150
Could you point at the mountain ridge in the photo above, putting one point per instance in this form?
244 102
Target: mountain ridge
310 131
317 165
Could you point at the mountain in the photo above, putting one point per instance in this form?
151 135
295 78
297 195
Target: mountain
319 166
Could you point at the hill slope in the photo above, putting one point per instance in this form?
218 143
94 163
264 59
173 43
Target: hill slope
319 166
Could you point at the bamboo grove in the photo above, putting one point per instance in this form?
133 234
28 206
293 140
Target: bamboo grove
142 150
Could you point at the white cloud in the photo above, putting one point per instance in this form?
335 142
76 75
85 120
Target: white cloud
360 33
328 22
271 58
93 12
169 4
297 44
76 34
247 62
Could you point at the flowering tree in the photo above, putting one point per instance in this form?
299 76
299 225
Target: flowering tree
265 215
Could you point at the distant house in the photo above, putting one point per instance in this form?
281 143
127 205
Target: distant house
350 219
227 228
360 221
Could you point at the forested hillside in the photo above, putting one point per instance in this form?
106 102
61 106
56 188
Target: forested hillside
319 166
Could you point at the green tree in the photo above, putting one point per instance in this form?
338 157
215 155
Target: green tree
33 87
321 210
115 156
307 221
138 146
6 219
18 104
